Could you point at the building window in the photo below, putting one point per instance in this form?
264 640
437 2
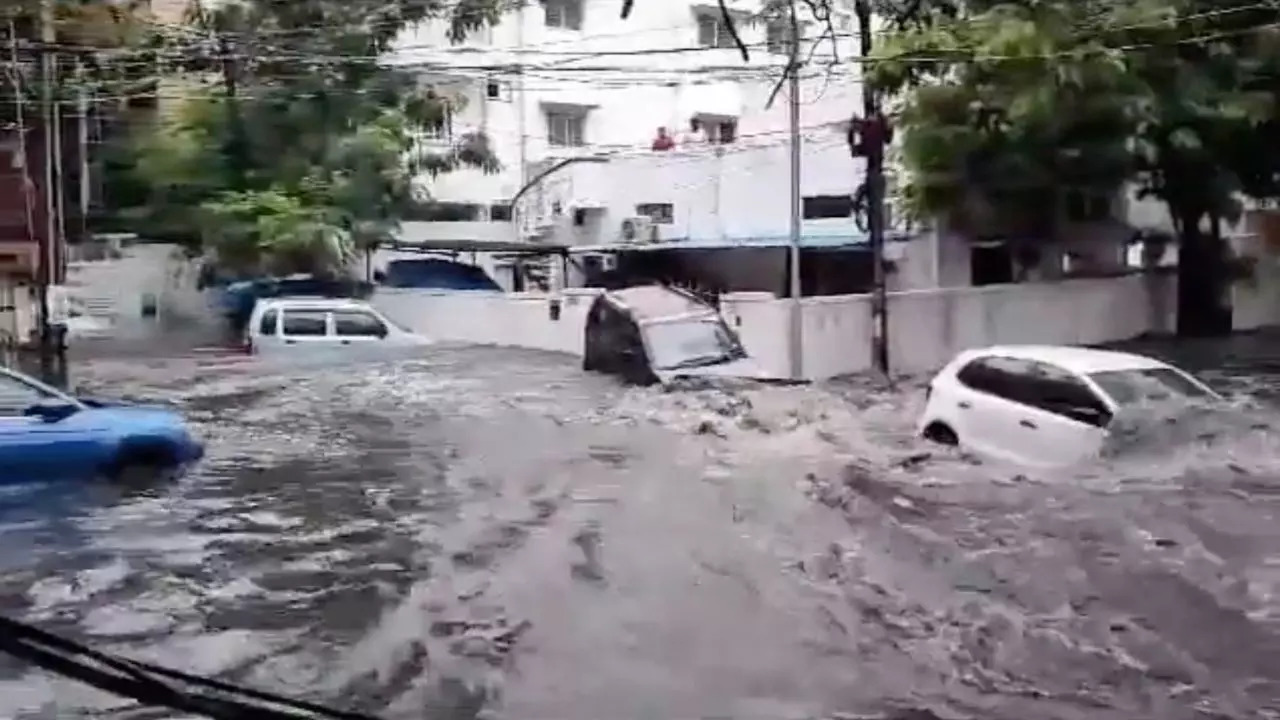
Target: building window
776 34
712 32
443 212
819 207
500 212
1086 206
565 129
564 14
660 213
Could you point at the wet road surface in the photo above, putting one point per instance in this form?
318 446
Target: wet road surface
489 533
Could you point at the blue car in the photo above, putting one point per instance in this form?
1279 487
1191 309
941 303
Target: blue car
45 433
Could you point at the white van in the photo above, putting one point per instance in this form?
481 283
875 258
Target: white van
323 324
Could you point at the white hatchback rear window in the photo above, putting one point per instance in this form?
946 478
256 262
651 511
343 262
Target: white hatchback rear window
1130 387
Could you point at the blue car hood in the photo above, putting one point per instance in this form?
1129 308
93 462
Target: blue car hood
134 416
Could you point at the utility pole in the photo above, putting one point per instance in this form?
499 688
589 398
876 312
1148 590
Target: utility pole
796 324
872 135
48 258
58 252
82 133
20 111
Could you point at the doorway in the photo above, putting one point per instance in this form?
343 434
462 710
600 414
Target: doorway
990 263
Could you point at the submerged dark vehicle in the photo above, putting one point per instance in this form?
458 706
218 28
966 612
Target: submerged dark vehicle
651 334
239 298
436 273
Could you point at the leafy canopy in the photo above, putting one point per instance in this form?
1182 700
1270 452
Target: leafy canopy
1003 105
301 146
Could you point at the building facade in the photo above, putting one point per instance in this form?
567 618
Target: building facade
592 119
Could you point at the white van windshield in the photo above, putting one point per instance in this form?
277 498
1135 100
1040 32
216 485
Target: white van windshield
689 343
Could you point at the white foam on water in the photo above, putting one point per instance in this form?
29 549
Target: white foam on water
53 592
744 569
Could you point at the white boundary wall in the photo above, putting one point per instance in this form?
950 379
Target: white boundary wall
926 327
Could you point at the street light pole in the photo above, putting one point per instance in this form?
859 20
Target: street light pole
871 138
48 257
796 323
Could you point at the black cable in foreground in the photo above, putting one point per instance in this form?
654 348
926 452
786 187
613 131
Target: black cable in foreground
152 685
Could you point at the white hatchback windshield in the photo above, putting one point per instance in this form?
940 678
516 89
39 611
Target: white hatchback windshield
689 343
1134 387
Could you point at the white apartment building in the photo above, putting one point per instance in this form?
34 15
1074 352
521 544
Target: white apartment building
564 79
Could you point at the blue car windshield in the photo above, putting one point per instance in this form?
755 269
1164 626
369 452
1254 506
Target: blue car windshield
17 393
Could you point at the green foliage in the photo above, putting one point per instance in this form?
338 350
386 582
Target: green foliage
107 45
1004 105
305 150
274 232
174 168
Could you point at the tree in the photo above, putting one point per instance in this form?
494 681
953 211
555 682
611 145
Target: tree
1004 106
304 124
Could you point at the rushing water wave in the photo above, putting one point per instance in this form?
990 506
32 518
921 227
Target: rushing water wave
490 533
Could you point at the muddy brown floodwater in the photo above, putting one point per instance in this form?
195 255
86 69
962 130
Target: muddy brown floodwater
490 533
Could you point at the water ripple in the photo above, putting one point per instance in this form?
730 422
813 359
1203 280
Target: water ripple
489 532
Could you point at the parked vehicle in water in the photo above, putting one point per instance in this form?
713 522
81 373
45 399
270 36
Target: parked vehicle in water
46 433
436 274
655 334
1046 405
328 325
238 299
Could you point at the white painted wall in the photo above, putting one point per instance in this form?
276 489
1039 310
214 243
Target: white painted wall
113 290
719 193
507 319
927 327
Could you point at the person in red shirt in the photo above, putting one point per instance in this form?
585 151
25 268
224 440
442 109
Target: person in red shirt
663 141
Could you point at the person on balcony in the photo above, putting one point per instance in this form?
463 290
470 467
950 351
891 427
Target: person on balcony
663 141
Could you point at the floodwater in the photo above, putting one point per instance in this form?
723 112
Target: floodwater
489 533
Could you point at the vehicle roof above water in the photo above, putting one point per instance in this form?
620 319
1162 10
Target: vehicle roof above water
1080 360
313 303
656 302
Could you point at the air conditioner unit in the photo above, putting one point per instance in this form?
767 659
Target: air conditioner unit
638 230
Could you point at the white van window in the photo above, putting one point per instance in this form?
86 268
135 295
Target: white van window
267 326
687 343
307 323
357 323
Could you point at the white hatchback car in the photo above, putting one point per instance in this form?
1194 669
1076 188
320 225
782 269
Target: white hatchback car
302 325
1044 405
